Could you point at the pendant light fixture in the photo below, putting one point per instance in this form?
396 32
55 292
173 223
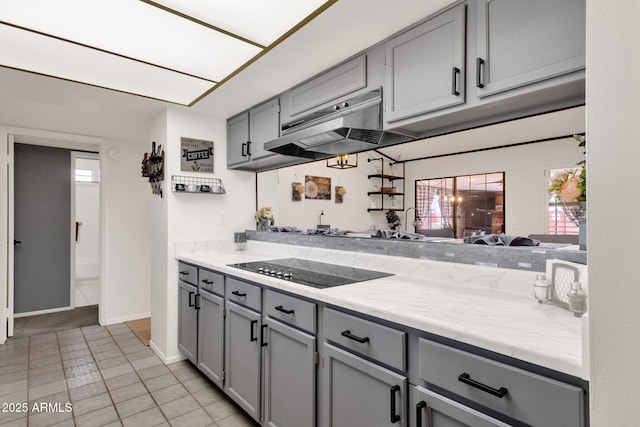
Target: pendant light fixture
343 161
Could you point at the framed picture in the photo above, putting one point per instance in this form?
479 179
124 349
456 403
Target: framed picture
317 187
196 155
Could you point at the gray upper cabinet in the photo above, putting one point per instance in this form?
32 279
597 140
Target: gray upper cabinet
520 42
238 139
248 131
425 67
339 81
264 125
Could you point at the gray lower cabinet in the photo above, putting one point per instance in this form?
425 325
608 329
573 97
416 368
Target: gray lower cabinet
290 376
425 67
211 337
520 42
518 394
187 320
359 393
430 409
243 333
269 366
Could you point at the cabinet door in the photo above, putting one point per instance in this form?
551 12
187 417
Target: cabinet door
290 377
242 358
332 84
187 321
425 67
521 42
264 126
358 393
211 337
238 139
429 409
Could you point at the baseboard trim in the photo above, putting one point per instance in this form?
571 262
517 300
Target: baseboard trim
166 360
123 319
36 313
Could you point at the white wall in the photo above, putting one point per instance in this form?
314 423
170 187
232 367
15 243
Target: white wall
125 200
124 211
613 155
188 217
160 253
526 170
274 190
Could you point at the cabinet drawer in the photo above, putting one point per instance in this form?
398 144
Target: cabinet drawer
244 293
378 342
188 273
211 281
291 310
527 397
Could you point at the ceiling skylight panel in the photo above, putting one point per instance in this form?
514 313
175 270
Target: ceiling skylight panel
24 50
134 29
262 21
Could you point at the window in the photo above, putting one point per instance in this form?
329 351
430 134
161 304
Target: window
561 216
468 204
84 175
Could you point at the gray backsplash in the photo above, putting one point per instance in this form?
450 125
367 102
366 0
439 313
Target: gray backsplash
529 258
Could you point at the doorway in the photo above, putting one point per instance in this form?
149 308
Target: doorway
42 246
56 232
86 167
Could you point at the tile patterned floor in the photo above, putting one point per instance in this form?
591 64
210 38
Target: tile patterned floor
87 292
104 376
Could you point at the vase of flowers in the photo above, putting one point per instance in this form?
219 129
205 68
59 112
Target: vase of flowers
264 218
570 188
393 220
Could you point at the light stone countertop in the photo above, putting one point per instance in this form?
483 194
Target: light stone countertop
488 307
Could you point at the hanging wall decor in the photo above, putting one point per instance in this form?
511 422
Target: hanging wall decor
340 193
317 187
296 191
196 155
153 168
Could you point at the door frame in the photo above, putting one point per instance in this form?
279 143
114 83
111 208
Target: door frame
9 135
75 155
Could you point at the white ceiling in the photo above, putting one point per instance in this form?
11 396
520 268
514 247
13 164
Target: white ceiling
344 29
166 50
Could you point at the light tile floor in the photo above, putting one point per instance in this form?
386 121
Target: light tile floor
87 293
104 376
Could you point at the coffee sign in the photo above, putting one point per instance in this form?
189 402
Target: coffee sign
196 155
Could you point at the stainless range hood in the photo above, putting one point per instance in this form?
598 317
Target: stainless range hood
348 127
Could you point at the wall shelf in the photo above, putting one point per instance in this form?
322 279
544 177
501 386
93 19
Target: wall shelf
189 184
386 188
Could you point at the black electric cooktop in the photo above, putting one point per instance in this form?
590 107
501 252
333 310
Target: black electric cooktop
310 273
